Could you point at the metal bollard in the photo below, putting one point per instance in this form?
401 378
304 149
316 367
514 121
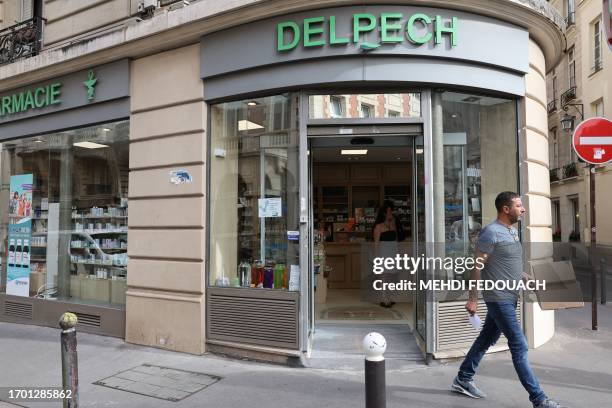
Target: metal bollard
604 277
70 367
374 345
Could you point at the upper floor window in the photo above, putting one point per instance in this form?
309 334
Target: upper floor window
571 67
570 12
598 108
597 45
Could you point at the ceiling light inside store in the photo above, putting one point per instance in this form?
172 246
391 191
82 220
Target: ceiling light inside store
38 141
419 151
248 125
106 129
354 151
89 145
252 103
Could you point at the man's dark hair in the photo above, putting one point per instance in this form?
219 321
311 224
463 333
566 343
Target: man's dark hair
505 199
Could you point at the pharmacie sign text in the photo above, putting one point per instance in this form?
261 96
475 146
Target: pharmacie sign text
29 99
320 31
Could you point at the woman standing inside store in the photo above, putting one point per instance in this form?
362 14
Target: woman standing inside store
387 232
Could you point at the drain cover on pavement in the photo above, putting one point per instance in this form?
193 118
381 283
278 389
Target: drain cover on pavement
159 382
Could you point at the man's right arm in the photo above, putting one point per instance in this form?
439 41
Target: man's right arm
472 304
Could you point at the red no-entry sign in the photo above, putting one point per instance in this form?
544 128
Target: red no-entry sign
593 140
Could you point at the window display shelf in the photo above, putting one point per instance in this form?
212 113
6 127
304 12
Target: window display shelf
97 263
97 216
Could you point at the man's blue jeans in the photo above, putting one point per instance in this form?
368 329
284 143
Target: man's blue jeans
501 318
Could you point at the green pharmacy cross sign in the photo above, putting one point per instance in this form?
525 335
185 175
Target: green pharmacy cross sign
41 97
90 84
390 28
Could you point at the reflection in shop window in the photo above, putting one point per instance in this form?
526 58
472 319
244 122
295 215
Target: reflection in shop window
335 107
254 194
405 105
366 110
64 211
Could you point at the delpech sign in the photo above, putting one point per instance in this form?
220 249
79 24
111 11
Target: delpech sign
393 27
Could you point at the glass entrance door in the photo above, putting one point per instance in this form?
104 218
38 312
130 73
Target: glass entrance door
345 193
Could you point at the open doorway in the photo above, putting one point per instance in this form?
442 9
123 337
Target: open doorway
364 195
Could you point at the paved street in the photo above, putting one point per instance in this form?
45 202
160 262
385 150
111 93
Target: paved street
575 367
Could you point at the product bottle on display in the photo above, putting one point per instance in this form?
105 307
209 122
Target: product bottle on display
244 274
18 254
257 274
25 256
279 276
268 279
11 253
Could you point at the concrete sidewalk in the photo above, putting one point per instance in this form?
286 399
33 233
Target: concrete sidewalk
574 368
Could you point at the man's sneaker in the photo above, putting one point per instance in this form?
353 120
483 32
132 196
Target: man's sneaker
548 403
470 389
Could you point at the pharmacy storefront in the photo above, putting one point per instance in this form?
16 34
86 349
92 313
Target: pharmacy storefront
260 146
328 115
64 199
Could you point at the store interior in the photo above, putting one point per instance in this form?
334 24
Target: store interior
349 184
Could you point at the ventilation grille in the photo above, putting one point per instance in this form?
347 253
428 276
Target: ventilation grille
85 319
266 322
454 329
19 310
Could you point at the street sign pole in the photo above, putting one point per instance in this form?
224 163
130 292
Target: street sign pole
592 142
593 245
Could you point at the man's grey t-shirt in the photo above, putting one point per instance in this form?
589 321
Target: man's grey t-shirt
505 259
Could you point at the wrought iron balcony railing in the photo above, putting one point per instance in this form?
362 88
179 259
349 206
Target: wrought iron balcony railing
21 40
568 96
567 171
552 106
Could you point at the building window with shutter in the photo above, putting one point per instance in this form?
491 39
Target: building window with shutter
571 62
596 45
598 108
27 9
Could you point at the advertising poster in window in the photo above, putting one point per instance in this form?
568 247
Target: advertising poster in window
19 235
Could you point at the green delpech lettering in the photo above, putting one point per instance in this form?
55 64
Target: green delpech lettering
358 28
410 31
310 31
333 39
442 29
280 34
386 26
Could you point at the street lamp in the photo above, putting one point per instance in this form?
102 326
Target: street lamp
567 122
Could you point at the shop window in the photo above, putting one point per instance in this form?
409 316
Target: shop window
254 211
405 105
480 145
64 213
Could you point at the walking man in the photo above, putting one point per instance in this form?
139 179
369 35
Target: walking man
500 249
